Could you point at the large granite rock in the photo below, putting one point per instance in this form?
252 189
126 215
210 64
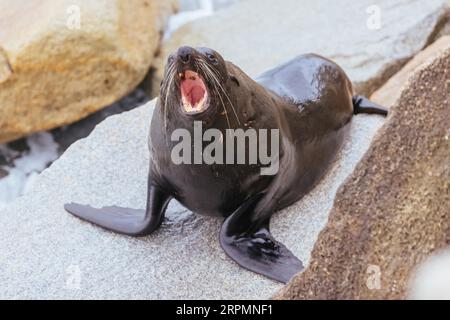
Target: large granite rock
388 94
46 253
394 210
258 34
56 69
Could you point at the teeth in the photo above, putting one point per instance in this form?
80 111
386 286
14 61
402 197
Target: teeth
190 108
186 104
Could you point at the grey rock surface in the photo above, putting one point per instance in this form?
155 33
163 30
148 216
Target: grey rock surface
23 159
45 253
370 39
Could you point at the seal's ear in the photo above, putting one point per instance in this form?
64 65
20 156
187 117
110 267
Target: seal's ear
235 80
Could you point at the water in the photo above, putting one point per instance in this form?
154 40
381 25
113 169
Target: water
23 161
190 5
191 10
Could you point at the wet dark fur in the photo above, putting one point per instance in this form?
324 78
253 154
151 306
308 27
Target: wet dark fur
309 99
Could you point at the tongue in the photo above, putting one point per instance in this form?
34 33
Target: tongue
196 95
193 88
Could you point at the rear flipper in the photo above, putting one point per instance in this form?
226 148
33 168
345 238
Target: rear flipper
247 240
363 105
130 222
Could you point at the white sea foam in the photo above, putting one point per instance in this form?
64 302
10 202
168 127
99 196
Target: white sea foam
194 10
43 151
204 8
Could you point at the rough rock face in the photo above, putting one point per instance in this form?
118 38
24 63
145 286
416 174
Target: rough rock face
46 253
388 94
394 210
56 69
371 42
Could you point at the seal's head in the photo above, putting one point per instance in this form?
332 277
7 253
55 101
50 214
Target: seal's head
195 82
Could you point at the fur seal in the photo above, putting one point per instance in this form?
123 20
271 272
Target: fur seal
310 100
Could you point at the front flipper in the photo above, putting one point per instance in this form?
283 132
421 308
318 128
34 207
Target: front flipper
137 223
248 241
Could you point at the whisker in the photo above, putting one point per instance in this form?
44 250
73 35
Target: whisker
208 74
165 92
223 90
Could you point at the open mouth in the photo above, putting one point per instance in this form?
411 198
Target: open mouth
194 94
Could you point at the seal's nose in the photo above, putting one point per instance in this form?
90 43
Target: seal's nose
185 54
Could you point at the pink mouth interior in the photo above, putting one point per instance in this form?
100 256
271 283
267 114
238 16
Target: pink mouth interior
193 88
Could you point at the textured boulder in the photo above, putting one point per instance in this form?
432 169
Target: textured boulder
388 94
370 39
394 210
62 60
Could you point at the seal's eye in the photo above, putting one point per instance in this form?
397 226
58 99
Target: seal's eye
212 58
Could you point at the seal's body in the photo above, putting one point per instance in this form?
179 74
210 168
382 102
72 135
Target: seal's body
309 100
